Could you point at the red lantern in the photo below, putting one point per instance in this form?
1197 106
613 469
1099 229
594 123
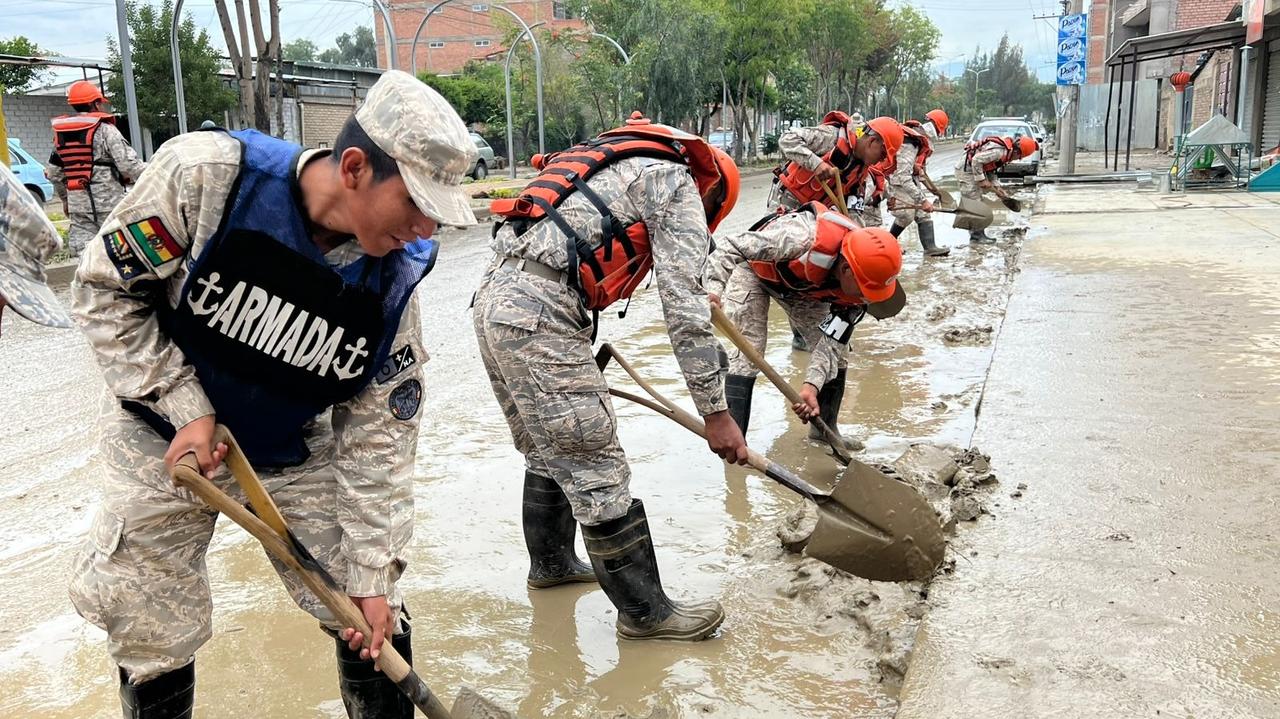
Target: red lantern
1180 80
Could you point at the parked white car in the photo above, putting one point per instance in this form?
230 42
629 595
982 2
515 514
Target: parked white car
1014 127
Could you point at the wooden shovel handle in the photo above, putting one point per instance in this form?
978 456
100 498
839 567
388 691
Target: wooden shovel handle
187 473
722 321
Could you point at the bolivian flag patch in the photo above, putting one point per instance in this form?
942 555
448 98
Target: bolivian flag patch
153 241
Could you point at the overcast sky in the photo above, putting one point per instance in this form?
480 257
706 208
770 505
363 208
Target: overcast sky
78 28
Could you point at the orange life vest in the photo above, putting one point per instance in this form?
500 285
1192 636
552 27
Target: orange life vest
912 132
613 270
73 145
810 274
974 148
805 187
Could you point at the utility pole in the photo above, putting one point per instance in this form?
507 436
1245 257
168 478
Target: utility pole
1069 117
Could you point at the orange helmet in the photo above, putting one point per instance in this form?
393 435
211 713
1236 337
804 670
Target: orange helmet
1026 145
83 92
875 257
728 189
939 119
890 132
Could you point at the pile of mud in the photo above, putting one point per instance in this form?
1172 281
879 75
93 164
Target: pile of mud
959 484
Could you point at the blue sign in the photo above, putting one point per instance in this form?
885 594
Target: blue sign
1073 49
1071 73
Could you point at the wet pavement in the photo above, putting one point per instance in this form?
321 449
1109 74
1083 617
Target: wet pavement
1134 408
790 645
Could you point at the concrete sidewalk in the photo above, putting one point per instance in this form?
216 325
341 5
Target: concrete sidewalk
1135 392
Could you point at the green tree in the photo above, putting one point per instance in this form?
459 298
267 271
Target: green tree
358 48
20 78
206 95
476 93
300 51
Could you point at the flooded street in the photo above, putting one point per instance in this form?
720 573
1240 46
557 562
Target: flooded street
796 641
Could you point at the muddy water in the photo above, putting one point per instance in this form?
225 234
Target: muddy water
788 647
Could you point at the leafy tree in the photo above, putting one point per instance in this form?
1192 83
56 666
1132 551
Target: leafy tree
476 93
300 51
204 92
20 78
357 49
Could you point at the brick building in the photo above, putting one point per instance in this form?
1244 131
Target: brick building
463 30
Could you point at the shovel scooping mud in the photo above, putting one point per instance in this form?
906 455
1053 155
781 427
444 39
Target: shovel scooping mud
868 524
268 526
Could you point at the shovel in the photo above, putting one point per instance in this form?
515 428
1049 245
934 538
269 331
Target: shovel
722 321
265 523
944 197
1012 203
968 210
868 524
836 200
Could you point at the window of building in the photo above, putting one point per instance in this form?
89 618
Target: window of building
479 7
482 43
561 11
436 43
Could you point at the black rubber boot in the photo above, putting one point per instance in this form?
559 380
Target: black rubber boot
830 397
549 529
168 696
980 237
622 552
798 342
368 693
737 392
897 229
927 241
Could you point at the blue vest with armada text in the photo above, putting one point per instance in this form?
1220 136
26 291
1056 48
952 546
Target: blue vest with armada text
275 334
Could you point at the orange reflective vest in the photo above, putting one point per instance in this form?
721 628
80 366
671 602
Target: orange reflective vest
974 148
73 146
809 275
805 187
613 270
924 147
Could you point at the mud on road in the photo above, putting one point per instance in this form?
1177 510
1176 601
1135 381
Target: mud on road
799 640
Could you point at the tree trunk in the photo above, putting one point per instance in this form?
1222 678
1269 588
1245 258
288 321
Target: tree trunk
245 73
237 64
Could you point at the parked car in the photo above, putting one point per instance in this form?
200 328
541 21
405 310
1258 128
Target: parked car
1014 127
29 171
484 160
724 139
1040 134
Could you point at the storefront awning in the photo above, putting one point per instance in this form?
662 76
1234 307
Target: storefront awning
1180 42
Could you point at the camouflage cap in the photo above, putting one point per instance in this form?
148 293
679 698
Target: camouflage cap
422 132
27 238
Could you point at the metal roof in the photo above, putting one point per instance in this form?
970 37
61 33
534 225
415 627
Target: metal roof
1179 42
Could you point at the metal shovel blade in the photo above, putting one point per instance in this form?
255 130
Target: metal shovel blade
904 544
973 215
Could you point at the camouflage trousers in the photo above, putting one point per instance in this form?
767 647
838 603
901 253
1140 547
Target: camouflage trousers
969 187
141 576
83 229
746 303
903 198
535 342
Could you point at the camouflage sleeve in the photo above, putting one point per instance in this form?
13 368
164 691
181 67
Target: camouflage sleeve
905 169
824 360
807 145
121 279
785 238
991 154
377 436
23 223
121 153
53 171
670 206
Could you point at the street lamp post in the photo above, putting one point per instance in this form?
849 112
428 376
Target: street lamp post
626 60
506 79
976 74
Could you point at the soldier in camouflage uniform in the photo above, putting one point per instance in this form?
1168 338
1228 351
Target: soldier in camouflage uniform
804 260
114 165
811 148
247 281
908 199
977 170
535 339
27 240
